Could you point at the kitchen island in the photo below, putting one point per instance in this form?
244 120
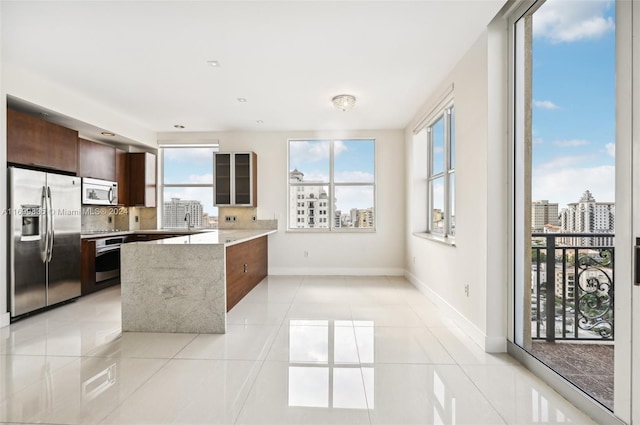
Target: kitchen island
188 283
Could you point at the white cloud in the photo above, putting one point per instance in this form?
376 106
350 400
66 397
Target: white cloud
354 177
565 185
570 143
545 104
348 197
567 21
201 178
611 149
538 141
308 151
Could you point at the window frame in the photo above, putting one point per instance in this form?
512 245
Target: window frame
161 187
447 115
331 186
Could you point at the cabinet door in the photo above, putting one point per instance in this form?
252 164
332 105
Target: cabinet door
96 160
246 266
122 176
245 179
38 143
142 179
88 266
222 178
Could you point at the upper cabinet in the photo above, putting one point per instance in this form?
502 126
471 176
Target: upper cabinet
96 160
38 143
235 177
122 176
142 179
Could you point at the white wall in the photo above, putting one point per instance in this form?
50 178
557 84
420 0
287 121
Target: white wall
376 253
4 317
478 258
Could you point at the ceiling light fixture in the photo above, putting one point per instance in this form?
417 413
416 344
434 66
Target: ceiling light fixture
242 100
260 121
107 133
344 102
214 64
179 126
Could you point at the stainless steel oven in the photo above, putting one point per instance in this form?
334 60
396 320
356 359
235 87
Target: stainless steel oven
108 258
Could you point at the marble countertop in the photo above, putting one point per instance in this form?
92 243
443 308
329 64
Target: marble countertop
108 234
214 237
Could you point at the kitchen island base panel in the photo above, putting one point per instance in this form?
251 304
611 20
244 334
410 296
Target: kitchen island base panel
173 288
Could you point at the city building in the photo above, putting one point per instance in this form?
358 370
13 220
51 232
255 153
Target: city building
311 201
543 213
589 216
181 213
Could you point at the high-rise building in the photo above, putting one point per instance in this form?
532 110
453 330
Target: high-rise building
182 213
542 213
308 205
589 216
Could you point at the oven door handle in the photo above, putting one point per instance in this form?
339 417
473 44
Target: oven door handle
100 251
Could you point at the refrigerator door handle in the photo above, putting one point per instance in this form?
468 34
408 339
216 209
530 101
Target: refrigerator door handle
50 227
44 228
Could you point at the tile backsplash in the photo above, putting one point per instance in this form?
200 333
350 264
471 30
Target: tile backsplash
242 218
120 218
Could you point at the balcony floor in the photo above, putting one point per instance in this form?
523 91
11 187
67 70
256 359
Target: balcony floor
589 366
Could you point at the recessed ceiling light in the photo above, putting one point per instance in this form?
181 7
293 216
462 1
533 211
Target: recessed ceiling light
180 126
107 133
242 100
260 121
215 64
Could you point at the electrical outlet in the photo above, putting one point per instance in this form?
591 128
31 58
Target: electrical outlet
227 218
110 219
466 290
254 218
234 218
137 219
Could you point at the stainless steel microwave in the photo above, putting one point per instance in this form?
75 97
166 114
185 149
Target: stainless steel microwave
99 192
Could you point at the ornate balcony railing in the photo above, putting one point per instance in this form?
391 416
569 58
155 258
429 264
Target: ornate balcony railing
572 286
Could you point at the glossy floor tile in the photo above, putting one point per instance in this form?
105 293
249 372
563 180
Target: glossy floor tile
299 350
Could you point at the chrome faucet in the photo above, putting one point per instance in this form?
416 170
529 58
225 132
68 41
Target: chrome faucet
187 218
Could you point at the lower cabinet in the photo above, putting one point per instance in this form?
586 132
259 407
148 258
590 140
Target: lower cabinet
247 265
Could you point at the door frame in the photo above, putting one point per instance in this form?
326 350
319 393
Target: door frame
626 171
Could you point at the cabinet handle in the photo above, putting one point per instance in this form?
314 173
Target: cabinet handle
246 268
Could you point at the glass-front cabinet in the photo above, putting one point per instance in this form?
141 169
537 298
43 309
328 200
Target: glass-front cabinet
235 179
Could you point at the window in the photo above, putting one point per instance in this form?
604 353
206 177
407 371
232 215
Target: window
187 187
332 177
441 174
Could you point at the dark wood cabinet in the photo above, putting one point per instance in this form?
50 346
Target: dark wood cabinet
247 265
122 176
96 160
88 266
235 179
34 142
142 179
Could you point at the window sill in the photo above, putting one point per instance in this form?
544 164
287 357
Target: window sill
449 241
328 232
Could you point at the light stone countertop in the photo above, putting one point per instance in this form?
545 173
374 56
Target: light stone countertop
214 237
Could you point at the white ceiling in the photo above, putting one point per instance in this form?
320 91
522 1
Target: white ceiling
148 59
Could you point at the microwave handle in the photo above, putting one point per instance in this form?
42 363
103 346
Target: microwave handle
110 195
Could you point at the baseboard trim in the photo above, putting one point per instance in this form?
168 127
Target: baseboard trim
5 320
487 343
334 271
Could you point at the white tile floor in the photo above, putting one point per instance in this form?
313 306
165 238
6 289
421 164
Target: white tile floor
299 350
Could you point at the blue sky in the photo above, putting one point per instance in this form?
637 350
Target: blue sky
354 162
574 100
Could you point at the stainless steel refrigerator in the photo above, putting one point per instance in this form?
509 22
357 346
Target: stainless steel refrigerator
44 242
